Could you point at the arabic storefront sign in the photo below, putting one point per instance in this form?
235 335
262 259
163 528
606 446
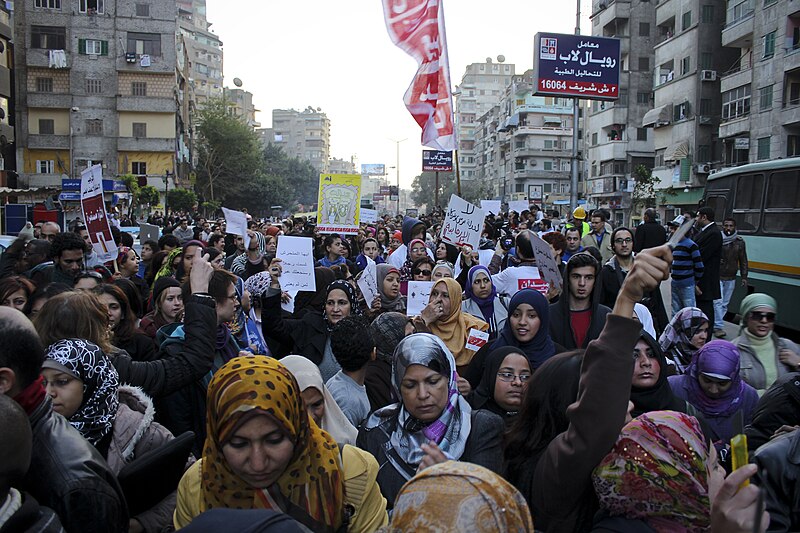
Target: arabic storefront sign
94 213
339 203
576 65
437 161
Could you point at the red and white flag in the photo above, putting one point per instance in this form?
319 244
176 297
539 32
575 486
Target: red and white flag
417 26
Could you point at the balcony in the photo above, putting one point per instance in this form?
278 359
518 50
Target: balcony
49 100
47 142
615 10
734 127
146 104
540 152
790 115
611 113
791 60
39 57
610 150
44 180
535 173
134 144
158 64
731 80
738 31
543 130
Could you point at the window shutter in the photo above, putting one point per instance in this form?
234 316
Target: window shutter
82 46
104 48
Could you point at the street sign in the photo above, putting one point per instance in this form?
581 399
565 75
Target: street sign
437 161
373 170
581 66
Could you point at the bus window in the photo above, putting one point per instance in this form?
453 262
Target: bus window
783 201
747 202
717 203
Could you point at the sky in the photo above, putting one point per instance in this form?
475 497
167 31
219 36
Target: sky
336 55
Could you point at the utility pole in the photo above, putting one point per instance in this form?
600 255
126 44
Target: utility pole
573 193
397 143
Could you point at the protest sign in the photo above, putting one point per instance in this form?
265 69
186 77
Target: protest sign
519 206
95 218
368 282
476 339
491 206
419 293
463 223
236 223
485 257
369 215
297 263
289 306
339 203
548 267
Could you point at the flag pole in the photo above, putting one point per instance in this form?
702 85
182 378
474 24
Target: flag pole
458 173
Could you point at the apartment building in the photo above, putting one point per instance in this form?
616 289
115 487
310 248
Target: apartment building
203 49
303 134
240 104
7 157
96 84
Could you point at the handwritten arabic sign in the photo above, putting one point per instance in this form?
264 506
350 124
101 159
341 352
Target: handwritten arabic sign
437 161
419 293
545 261
368 215
491 206
463 223
576 65
519 206
339 203
236 224
368 282
297 263
94 213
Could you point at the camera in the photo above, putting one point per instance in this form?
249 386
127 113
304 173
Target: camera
507 243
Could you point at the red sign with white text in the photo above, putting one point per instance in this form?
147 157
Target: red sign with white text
95 217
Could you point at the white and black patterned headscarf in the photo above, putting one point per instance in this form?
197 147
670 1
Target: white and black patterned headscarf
84 359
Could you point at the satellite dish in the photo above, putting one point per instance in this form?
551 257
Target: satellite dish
237 82
488 59
501 58
319 109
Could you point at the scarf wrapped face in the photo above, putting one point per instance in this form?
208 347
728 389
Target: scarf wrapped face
720 359
677 337
454 328
95 417
657 472
312 483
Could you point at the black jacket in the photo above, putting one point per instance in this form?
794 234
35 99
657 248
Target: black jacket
176 368
32 518
304 336
648 235
484 447
609 285
561 325
140 347
710 243
779 477
779 406
68 475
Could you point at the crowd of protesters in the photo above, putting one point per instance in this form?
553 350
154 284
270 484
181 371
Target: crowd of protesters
177 386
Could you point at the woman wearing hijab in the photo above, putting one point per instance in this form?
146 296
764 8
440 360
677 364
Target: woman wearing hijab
442 269
717 395
313 301
650 390
661 476
416 250
387 330
686 333
242 327
118 420
319 402
643 315
502 386
389 289
431 412
443 317
476 499
296 467
482 300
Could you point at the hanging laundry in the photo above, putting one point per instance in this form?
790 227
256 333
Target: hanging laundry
58 59
144 60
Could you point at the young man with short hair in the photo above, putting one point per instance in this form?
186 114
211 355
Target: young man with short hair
599 237
733 260
66 251
353 347
687 269
709 240
573 236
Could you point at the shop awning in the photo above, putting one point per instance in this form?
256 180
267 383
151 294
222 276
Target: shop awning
676 151
656 116
510 122
552 119
681 197
9 190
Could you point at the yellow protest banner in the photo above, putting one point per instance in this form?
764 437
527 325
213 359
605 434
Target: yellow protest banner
339 203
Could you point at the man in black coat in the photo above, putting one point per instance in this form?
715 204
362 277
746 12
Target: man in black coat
709 240
649 234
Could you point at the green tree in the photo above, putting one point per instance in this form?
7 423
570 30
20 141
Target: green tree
149 195
424 185
300 175
644 194
184 199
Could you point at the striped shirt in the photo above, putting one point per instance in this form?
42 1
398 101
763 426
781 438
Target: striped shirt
687 263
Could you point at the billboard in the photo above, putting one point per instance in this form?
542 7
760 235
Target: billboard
373 170
581 66
436 161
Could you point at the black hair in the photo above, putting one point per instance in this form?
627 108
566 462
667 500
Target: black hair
582 259
729 219
352 343
651 214
116 234
618 230
214 239
421 261
577 228
63 242
126 239
599 214
212 252
707 212
168 240
524 246
217 286
594 252
132 293
21 350
152 244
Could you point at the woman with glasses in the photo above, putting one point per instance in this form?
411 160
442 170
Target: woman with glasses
764 356
503 384
88 280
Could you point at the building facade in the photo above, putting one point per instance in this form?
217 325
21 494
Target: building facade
96 85
303 134
240 104
7 99
203 49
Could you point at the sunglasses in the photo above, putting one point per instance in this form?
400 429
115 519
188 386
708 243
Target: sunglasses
760 316
418 271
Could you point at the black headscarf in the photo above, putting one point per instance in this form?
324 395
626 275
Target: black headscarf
483 397
659 397
541 347
348 289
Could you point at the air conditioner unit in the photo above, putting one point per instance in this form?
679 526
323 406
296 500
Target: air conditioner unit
708 75
704 168
713 171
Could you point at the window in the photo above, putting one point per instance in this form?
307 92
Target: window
92 47
45 167
47 4
548 165
91 7
782 203
519 187
747 204
44 85
548 144
644 29
704 153
769 44
765 97
681 111
594 139
707 14
644 63
706 61
139 88
142 10
763 148
792 145
140 129
47 126
94 127
144 43
49 37
686 64
94 86
705 106
139 168
641 134
642 98
686 21
623 97
736 103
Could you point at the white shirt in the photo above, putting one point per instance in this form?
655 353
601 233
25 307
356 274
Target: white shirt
513 279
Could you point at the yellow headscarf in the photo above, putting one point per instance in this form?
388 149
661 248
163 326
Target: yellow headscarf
454 328
312 486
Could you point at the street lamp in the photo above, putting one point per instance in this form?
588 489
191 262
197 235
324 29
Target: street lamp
71 133
397 142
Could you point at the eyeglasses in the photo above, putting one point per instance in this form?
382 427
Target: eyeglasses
418 271
627 240
508 377
760 316
90 274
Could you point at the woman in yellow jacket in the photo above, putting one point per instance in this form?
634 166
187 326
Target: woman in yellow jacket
264 451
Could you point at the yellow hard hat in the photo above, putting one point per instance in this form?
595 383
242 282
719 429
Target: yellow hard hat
579 213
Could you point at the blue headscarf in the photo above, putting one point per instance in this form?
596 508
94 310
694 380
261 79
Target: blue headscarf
541 347
486 305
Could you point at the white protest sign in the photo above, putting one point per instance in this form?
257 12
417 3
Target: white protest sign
368 281
368 215
297 263
485 257
236 223
289 306
545 261
491 206
463 223
419 293
519 206
476 339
